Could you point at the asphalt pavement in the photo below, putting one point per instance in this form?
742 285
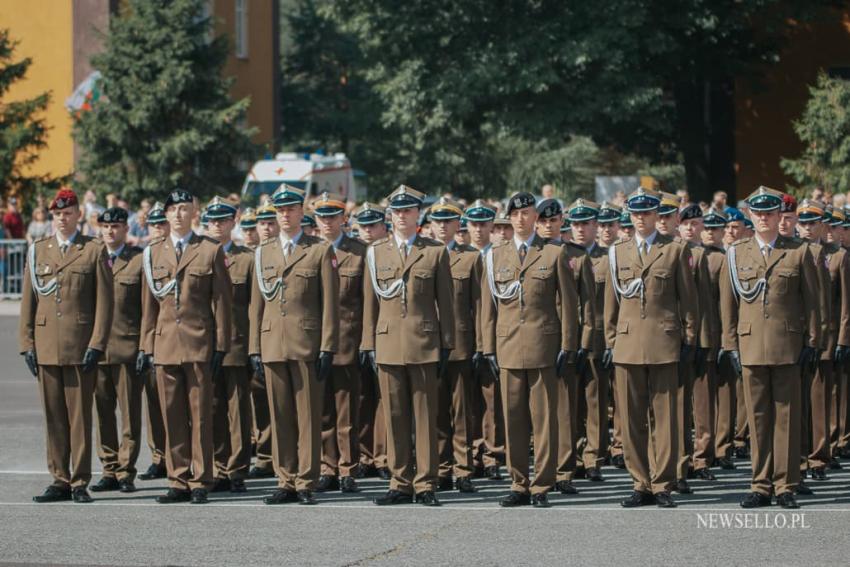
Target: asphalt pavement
590 528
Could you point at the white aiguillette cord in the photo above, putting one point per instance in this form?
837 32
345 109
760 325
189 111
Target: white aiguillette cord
267 293
748 295
46 289
394 289
514 289
164 290
633 288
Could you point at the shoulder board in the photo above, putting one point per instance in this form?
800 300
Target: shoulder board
156 240
381 241
432 242
622 241
468 248
742 241
210 240
43 238
356 243
576 246
500 244
268 241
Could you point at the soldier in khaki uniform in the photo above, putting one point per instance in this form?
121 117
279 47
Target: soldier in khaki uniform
529 339
340 421
66 314
488 421
550 221
370 219
609 224
248 226
158 228
232 396
503 231
771 327
593 379
186 333
267 228
839 420
408 330
293 337
118 384
650 325
455 385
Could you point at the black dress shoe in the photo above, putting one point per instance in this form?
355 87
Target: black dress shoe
444 483
594 474
257 472
540 500
393 497
619 461
492 473
464 484
478 471
427 498
199 496
153 472
690 474
741 453
787 500
515 499
237 485
834 464
80 495
665 500
384 473
725 463
819 474
366 471
803 488
105 484
638 498
704 474
755 500
221 485
281 496
565 487
327 483
53 494
682 487
174 495
348 485
306 498
126 485
581 472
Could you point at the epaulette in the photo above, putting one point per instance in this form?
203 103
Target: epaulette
381 241
467 248
742 240
268 241
156 240
210 239
43 238
500 244
577 246
431 241
622 241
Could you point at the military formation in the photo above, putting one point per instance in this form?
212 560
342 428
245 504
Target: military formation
661 338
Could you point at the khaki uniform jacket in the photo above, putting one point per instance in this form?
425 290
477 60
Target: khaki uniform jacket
411 332
714 263
351 265
599 266
652 330
529 333
819 257
189 329
240 265
582 269
702 280
303 318
771 330
839 298
128 279
465 263
60 327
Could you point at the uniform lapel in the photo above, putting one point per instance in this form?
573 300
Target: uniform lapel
655 252
297 253
416 252
533 254
342 253
74 250
777 253
454 256
190 252
121 261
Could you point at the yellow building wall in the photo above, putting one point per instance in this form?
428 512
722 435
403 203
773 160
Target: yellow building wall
44 31
254 75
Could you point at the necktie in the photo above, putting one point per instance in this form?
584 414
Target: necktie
523 249
111 260
63 248
179 249
403 250
765 251
642 249
287 249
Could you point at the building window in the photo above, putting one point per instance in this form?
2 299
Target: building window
241 26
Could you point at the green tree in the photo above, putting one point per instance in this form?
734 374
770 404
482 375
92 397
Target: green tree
166 118
824 129
23 129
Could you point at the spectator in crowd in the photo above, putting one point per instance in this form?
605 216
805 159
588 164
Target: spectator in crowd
91 227
720 200
547 191
138 234
40 226
13 222
684 197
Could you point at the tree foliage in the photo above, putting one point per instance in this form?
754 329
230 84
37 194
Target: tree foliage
166 119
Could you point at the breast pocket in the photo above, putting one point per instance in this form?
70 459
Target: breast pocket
659 282
81 278
625 275
786 280
128 292
200 280
541 279
460 281
350 280
240 289
306 280
423 281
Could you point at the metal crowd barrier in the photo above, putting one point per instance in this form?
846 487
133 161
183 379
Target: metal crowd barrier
13 254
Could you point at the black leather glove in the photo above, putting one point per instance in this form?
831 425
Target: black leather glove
734 359
443 364
257 366
215 363
561 362
90 359
808 358
477 359
608 359
494 365
841 355
581 360
142 363
324 365
32 361
700 358
367 361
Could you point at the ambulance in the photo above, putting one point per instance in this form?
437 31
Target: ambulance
312 173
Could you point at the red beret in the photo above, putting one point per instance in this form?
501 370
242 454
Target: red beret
64 198
789 204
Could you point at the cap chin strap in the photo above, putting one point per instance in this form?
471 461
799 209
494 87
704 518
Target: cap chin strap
164 290
632 289
268 293
748 295
47 289
393 290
